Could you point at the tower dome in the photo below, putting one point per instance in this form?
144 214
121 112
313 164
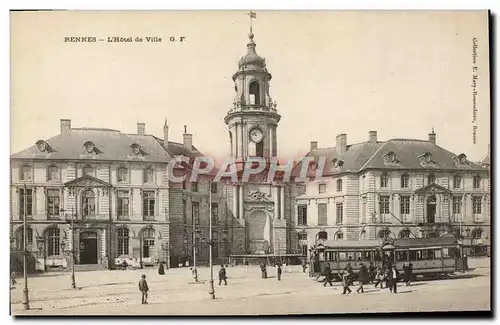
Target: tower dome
252 58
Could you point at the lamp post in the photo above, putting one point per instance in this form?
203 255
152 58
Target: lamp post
72 250
211 289
224 239
26 302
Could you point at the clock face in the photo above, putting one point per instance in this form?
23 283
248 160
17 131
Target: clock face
256 135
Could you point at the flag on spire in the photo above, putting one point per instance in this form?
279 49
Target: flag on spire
252 15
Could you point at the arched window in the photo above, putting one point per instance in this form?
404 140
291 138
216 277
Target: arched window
53 242
384 180
457 181
20 238
385 233
431 179
148 242
88 203
215 246
123 241
404 234
405 180
339 236
122 175
362 235
254 90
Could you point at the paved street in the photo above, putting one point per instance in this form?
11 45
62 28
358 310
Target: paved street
116 293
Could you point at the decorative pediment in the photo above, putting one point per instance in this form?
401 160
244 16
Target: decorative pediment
44 147
432 189
87 181
390 158
460 160
426 160
91 148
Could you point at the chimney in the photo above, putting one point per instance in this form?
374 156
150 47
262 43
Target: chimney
372 137
341 146
141 128
432 137
65 126
188 139
314 145
165 133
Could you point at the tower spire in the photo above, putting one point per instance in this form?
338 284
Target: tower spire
252 15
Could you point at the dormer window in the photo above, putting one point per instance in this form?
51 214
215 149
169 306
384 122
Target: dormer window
136 149
426 159
391 156
89 147
43 146
337 163
462 158
313 166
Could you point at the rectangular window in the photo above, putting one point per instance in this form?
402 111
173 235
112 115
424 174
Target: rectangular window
339 185
123 242
122 175
26 173
147 247
194 187
401 256
322 214
476 205
340 213
123 204
302 236
322 188
215 213
405 181
52 203
302 215
384 205
184 211
477 182
213 188
52 173
457 205
28 197
405 205
301 189
148 175
148 205
195 212
456 182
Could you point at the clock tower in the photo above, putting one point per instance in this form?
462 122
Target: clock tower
253 119
258 205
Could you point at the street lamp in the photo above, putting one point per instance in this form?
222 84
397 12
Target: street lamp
211 290
26 302
70 253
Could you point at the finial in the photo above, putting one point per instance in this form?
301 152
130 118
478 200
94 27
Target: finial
166 124
433 130
185 129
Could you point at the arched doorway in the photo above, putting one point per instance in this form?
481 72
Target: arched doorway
431 209
256 227
88 247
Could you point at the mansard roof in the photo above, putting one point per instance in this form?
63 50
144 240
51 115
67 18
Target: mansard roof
405 154
112 145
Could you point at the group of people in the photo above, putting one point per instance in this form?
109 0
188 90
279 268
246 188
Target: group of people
387 274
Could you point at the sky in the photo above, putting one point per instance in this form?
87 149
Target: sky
400 73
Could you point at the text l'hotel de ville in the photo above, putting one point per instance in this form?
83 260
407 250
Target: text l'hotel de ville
127 39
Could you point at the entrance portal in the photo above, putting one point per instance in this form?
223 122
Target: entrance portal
88 247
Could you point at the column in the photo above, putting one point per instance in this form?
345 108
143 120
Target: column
395 209
235 201
412 217
276 202
439 198
282 202
241 202
236 141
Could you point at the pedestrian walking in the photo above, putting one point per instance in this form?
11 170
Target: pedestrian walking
363 277
263 270
393 279
345 281
304 266
379 278
161 269
410 274
406 274
246 265
351 273
13 278
222 275
279 271
328 275
372 270
143 288
387 276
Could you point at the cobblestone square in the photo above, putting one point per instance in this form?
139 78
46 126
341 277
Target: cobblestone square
116 293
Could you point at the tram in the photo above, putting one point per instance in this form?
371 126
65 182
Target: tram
430 257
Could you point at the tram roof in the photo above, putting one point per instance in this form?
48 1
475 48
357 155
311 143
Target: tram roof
352 243
438 241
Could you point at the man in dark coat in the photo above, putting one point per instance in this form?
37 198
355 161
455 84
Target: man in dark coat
372 270
393 279
328 275
279 272
161 269
351 273
143 287
363 277
409 269
222 275
304 266
263 270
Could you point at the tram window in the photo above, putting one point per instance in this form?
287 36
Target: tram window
331 256
413 255
437 253
366 255
351 256
401 256
448 252
357 256
378 258
342 256
428 254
